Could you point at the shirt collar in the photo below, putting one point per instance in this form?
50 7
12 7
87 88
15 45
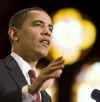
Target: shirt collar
21 62
24 66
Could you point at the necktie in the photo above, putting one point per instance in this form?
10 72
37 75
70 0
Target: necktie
32 75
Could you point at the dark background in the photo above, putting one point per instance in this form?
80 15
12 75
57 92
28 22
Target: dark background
90 9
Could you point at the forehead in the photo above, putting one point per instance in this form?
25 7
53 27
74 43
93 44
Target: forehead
39 15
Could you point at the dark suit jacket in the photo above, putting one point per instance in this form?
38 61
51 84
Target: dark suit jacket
12 81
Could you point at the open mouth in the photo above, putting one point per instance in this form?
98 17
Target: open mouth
45 42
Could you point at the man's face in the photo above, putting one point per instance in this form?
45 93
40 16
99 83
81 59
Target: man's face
35 34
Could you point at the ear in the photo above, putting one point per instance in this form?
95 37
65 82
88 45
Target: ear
12 32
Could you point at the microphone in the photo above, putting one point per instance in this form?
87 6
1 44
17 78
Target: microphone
96 95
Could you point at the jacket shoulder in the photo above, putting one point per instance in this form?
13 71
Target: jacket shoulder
2 63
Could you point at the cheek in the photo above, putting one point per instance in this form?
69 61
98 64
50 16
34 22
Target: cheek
30 36
35 35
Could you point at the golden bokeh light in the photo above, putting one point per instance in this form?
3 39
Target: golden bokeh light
89 34
69 13
57 52
71 35
85 82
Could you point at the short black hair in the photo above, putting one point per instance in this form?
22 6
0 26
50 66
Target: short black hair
18 18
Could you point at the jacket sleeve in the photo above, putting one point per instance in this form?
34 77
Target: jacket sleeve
45 97
9 92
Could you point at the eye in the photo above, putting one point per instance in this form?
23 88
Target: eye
37 23
51 28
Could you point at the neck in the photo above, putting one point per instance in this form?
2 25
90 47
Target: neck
33 64
32 61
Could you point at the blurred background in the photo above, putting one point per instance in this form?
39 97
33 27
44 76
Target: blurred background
76 37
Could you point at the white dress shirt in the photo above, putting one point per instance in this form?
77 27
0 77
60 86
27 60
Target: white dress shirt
25 67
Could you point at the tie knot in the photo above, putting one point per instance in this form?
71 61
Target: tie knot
32 74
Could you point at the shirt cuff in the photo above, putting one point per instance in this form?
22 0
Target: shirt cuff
25 93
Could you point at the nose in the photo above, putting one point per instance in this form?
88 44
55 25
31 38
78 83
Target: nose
46 31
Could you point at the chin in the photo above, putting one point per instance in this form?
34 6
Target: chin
42 54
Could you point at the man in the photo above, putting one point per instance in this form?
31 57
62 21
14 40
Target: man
30 32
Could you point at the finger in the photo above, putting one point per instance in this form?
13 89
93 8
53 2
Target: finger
55 74
55 68
61 66
52 67
58 73
61 61
59 58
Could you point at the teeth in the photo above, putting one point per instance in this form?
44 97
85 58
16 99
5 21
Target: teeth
45 42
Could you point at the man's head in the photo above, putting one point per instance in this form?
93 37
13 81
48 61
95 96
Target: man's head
30 31
18 18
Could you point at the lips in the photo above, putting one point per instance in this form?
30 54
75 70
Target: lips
45 42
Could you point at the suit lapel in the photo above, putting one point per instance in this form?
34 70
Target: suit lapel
45 97
15 72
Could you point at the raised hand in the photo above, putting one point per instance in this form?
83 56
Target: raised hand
52 71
